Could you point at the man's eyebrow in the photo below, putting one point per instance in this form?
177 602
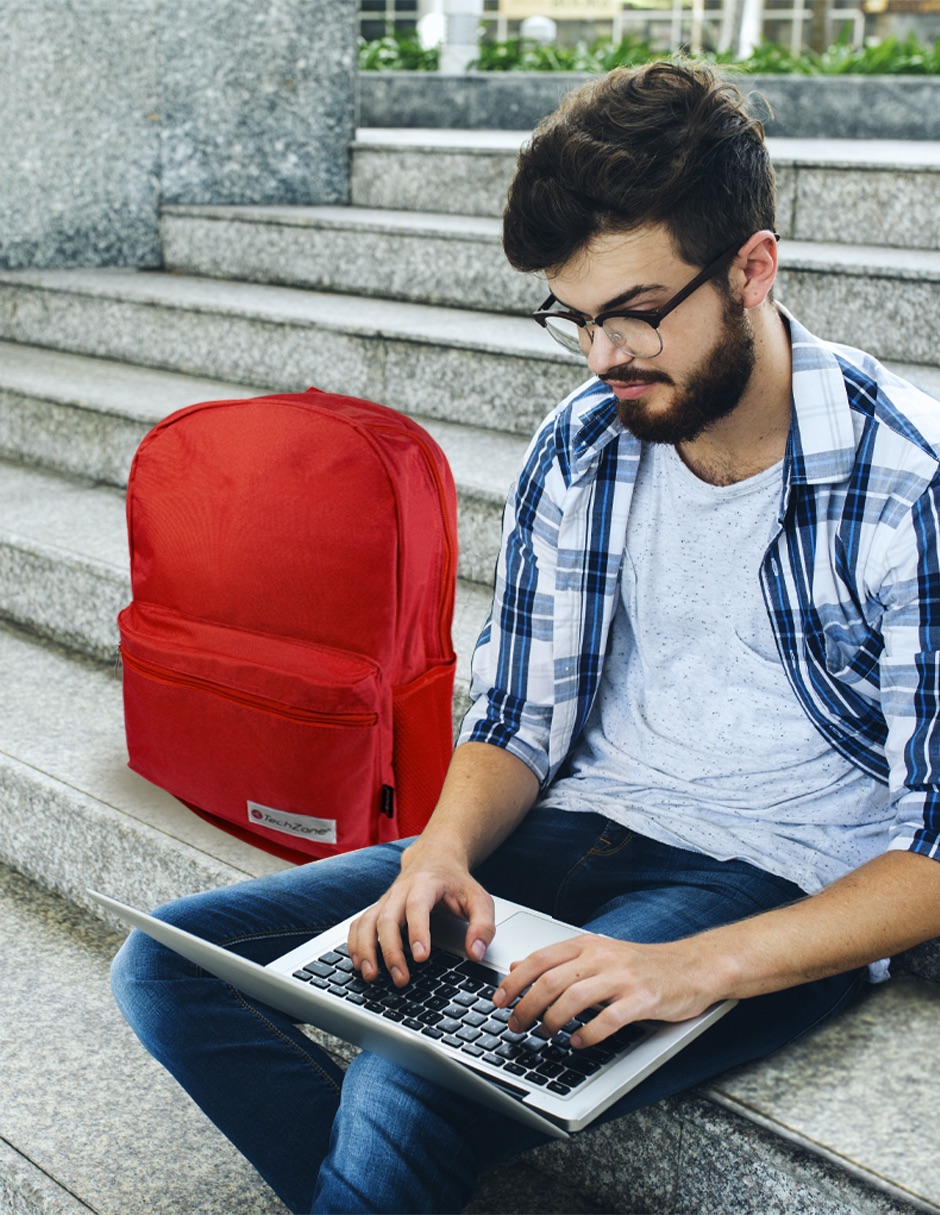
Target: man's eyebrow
618 301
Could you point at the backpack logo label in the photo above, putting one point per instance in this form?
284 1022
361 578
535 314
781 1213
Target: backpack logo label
322 830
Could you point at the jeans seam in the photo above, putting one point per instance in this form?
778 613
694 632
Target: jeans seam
593 851
283 1037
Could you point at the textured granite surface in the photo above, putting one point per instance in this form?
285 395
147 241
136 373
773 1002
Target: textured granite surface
81 1101
257 100
863 192
445 260
894 208
890 315
860 1088
454 364
79 128
853 107
110 106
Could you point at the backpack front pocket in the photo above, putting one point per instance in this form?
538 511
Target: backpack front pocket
283 742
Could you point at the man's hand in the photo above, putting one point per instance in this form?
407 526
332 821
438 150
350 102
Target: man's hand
403 914
629 982
486 794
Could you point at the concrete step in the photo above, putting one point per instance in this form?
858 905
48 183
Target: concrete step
885 301
502 373
877 192
452 260
831 1125
852 293
495 372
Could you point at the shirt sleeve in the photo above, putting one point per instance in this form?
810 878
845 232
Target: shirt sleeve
910 676
512 687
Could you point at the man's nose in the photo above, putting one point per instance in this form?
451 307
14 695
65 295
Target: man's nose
602 354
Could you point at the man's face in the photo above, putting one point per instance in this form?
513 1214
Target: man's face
708 347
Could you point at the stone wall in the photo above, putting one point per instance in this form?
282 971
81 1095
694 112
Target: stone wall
110 107
804 107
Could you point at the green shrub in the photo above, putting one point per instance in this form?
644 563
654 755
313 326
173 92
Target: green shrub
891 57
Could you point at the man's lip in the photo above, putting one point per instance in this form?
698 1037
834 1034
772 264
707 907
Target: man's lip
630 390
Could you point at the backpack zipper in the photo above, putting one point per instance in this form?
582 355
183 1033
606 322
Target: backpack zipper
174 678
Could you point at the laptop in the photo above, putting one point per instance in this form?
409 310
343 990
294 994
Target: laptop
443 1024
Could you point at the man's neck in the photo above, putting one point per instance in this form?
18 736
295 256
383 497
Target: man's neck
754 436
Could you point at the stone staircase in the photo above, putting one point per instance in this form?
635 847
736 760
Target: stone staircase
403 297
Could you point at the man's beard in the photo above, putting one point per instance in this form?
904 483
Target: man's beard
712 391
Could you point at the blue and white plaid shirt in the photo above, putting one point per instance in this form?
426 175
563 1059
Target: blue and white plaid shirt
851 578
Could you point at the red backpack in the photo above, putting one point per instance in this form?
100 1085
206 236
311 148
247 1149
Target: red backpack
287 660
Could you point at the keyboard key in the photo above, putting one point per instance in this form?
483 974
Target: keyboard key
489 1042
493 1027
430 1032
331 958
586 1067
468 1034
514 1069
451 1040
468 1048
557 1087
535 1078
550 1069
324 969
465 998
571 1078
448 1024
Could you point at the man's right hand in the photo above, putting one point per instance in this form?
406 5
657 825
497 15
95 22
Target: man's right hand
402 914
486 794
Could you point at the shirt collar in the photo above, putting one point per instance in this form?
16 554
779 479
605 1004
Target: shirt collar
822 440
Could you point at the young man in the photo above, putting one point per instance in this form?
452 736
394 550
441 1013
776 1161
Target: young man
705 718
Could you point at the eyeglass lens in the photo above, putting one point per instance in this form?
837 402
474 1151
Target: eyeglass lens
633 337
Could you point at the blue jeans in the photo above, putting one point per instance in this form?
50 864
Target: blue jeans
381 1138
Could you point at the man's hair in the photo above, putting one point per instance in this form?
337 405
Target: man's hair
670 143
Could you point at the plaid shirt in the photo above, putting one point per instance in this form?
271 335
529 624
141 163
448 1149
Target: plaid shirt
851 578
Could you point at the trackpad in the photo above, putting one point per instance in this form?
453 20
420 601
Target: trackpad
521 934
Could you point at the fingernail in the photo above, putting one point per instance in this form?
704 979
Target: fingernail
396 975
417 949
577 1041
478 949
499 997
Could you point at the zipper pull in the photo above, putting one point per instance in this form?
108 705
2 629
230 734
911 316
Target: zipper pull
118 665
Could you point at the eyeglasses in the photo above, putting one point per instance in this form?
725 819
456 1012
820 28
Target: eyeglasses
635 333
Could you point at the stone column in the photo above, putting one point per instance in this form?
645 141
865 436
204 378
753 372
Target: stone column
110 107
258 100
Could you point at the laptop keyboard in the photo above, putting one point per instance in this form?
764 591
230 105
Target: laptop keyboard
449 999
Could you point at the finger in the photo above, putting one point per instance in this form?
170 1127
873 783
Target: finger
476 906
362 942
524 974
388 930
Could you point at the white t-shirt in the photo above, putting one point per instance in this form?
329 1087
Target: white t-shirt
696 738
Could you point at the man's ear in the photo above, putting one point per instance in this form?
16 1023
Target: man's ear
754 269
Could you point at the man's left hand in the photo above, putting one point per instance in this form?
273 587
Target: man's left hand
629 982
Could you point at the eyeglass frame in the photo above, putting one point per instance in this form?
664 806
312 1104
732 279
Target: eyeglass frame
654 319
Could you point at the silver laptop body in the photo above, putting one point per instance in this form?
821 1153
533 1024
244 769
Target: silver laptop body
536 1084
